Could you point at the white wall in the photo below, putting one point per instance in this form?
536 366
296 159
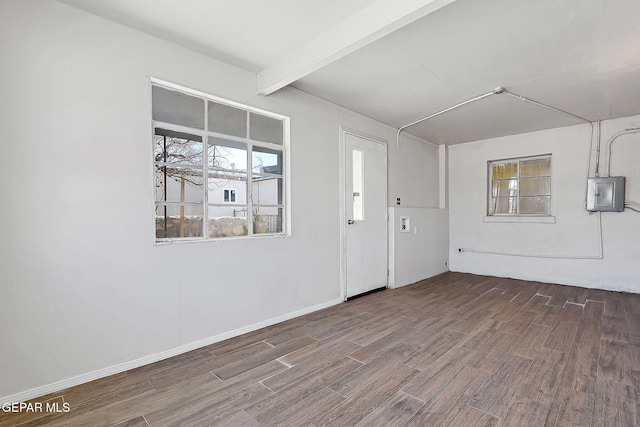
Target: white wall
575 232
413 172
84 291
266 192
414 177
421 252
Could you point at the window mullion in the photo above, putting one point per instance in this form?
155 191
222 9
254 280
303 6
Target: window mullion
249 180
518 189
283 199
250 188
491 198
178 128
205 173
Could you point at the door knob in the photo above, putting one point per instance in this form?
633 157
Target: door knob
350 222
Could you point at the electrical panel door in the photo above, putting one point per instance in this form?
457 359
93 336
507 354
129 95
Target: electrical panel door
605 194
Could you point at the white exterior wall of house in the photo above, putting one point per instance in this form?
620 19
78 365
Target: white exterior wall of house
215 196
85 292
265 191
547 252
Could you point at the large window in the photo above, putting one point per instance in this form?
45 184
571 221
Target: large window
520 186
219 167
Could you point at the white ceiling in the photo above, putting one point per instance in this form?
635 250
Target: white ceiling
397 61
251 34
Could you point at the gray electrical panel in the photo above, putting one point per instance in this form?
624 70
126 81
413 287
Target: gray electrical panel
605 194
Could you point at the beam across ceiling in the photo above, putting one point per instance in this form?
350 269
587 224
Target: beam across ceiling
373 22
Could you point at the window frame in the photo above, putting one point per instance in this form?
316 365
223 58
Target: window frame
232 195
283 205
518 160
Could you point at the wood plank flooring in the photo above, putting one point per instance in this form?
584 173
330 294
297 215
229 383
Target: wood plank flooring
457 349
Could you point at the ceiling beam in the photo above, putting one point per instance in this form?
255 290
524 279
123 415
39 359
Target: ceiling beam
371 23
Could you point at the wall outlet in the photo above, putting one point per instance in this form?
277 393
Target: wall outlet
405 224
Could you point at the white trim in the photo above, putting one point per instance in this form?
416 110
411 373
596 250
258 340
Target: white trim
529 219
208 96
391 248
207 133
517 161
122 367
250 143
343 208
376 20
286 172
443 176
183 240
205 175
342 213
231 191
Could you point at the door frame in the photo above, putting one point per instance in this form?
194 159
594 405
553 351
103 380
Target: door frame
343 209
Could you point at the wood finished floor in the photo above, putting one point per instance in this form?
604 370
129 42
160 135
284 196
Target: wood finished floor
457 349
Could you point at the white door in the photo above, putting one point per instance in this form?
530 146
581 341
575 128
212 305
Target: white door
366 214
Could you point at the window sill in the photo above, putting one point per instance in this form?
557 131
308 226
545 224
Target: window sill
169 242
521 219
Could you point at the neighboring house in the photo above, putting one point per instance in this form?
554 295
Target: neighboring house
230 194
227 198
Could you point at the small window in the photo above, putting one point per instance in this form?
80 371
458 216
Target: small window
219 167
520 186
229 196
358 180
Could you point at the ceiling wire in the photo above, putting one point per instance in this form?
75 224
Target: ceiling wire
540 104
612 140
453 107
497 91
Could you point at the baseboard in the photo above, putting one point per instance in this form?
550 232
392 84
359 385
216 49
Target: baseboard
116 369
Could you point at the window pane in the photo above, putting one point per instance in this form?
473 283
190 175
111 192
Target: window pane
266 190
227 221
505 188
504 170
266 129
173 184
358 174
229 196
173 221
223 194
177 108
226 154
265 160
535 205
233 184
537 167
535 186
177 148
227 120
267 220
505 205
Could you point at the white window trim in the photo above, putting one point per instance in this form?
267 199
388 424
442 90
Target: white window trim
231 191
540 219
284 147
518 217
